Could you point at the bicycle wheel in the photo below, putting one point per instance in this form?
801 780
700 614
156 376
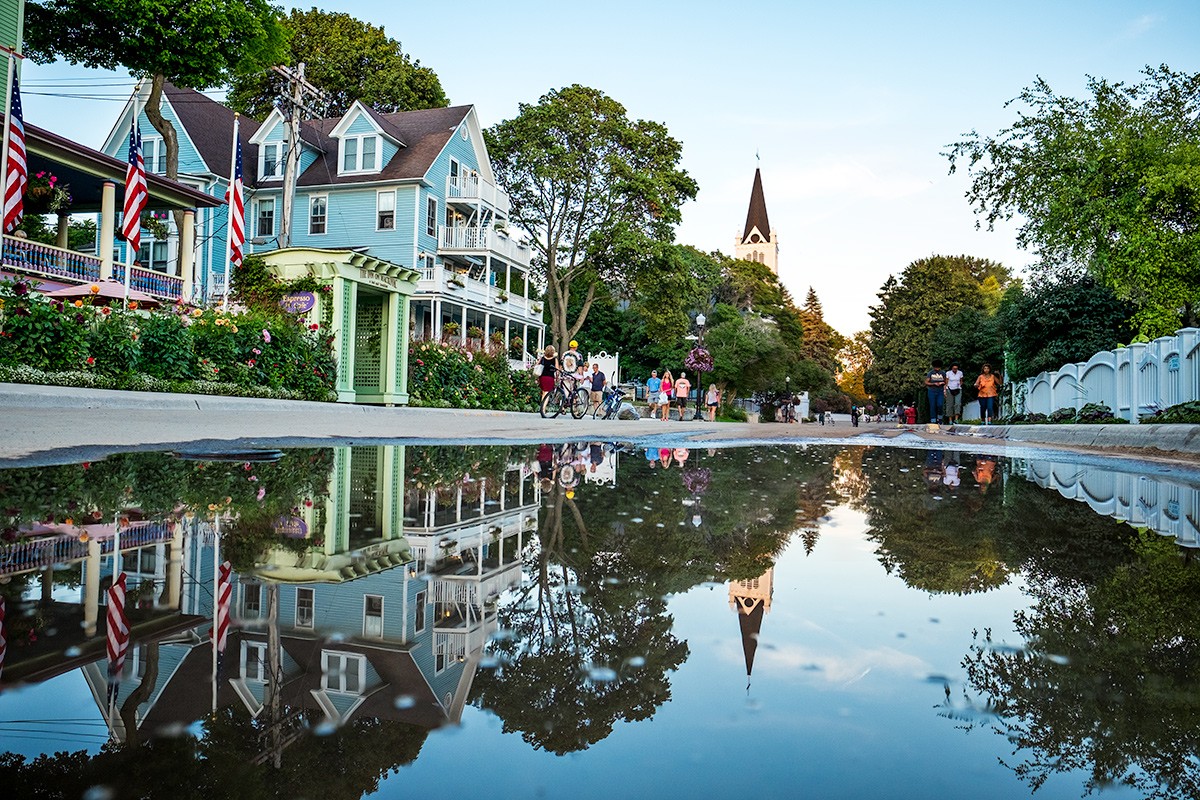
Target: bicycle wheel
579 403
552 404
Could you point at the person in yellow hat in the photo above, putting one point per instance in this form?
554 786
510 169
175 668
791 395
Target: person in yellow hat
571 358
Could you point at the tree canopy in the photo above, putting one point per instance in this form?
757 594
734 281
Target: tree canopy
910 309
595 189
1109 184
349 60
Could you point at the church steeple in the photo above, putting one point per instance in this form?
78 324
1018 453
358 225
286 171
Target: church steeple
758 241
752 600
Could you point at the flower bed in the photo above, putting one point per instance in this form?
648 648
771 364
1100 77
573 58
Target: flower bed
449 375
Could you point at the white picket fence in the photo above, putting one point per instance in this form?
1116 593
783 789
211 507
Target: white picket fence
1134 380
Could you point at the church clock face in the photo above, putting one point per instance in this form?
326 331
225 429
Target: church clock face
755 238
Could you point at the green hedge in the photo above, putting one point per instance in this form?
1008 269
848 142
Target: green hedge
445 375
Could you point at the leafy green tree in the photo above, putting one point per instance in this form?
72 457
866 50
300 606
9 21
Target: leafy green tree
197 44
1109 183
349 60
595 190
911 307
972 338
1061 322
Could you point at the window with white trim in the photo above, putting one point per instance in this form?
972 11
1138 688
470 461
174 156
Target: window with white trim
373 616
385 210
251 600
254 661
360 153
419 619
304 608
264 216
271 156
344 673
318 213
152 254
154 154
431 215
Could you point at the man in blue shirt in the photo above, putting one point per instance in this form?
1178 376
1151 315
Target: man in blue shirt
598 380
653 387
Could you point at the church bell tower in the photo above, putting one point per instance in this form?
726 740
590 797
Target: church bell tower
758 242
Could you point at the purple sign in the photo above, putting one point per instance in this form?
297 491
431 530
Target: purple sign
298 302
292 527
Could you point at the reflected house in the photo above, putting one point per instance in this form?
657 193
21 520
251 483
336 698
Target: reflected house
751 599
1167 508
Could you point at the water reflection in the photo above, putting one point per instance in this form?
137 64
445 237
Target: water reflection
380 593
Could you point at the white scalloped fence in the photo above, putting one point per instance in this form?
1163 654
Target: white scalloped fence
1134 380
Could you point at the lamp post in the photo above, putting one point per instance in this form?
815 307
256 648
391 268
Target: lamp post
700 320
788 383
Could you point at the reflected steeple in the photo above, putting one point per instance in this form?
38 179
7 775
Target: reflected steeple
752 600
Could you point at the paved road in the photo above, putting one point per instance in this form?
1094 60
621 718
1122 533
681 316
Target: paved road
46 424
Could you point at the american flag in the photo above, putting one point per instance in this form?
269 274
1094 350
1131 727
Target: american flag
224 593
136 193
118 636
237 208
18 174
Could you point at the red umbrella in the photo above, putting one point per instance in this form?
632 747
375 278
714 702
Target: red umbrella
107 290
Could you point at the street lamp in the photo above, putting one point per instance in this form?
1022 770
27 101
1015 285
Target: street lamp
700 320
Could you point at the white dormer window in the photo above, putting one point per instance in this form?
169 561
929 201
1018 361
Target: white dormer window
360 153
270 159
154 153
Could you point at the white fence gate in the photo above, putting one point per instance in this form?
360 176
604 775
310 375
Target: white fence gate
1139 379
609 365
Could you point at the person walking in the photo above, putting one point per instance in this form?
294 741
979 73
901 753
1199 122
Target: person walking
683 387
598 380
954 393
935 387
713 401
653 387
664 395
547 369
988 387
854 414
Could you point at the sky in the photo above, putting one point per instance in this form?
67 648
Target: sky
848 106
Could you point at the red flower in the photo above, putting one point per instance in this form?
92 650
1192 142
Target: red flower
90 361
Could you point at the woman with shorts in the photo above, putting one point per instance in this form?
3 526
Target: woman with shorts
549 364
664 396
713 399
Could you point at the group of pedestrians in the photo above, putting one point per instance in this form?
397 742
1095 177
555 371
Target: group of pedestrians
570 366
946 393
667 391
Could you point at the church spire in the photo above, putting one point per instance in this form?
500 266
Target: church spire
751 600
756 217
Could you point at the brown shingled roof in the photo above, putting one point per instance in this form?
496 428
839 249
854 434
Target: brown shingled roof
209 125
425 132
756 217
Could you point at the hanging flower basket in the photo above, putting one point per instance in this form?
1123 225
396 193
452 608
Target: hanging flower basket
699 359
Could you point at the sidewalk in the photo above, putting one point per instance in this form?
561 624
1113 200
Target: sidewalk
50 424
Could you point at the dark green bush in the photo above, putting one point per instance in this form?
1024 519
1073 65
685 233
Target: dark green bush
168 350
1186 413
114 344
38 332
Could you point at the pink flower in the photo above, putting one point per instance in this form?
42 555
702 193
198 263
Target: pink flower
256 351
266 336
253 479
261 493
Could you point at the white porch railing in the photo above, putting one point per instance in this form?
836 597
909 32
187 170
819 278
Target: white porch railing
476 239
438 280
473 188
156 284
34 258
37 554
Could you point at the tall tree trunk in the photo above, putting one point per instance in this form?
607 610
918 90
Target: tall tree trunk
140 695
171 142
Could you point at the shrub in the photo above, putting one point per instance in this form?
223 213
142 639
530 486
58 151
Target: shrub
168 350
1062 415
38 332
447 375
735 414
114 344
1098 414
1185 413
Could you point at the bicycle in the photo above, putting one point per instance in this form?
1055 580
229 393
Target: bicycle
566 396
610 405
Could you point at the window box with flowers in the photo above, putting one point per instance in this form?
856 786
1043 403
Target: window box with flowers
502 297
456 283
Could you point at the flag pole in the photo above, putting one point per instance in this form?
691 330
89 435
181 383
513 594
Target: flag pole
8 85
216 597
129 254
229 212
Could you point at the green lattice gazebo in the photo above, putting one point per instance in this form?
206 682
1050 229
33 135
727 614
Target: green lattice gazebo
369 319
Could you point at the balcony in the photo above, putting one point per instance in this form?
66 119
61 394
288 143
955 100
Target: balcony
473 240
465 289
471 189
59 264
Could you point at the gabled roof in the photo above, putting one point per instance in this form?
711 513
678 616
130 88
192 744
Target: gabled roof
381 123
209 124
756 217
425 132
750 622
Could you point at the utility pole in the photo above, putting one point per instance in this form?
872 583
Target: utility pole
294 103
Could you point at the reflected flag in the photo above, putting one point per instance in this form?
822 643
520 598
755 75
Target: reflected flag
136 193
224 593
3 640
118 636
17 178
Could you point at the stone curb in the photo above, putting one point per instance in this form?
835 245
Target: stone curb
1166 438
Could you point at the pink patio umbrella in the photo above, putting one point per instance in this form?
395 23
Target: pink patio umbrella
108 290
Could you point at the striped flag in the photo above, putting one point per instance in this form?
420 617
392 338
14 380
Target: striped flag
118 635
3 641
237 207
136 193
224 593
18 174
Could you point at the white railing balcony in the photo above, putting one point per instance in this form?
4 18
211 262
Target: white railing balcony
473 189
480 240
155 284
48 261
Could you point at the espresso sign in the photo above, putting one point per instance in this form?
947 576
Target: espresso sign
298 302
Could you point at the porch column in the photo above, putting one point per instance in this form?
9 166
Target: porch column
507 354
404 315
175 569
462 337
393 338
108 224
487 327
187 254
435 325
62 238
345 297
91 589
